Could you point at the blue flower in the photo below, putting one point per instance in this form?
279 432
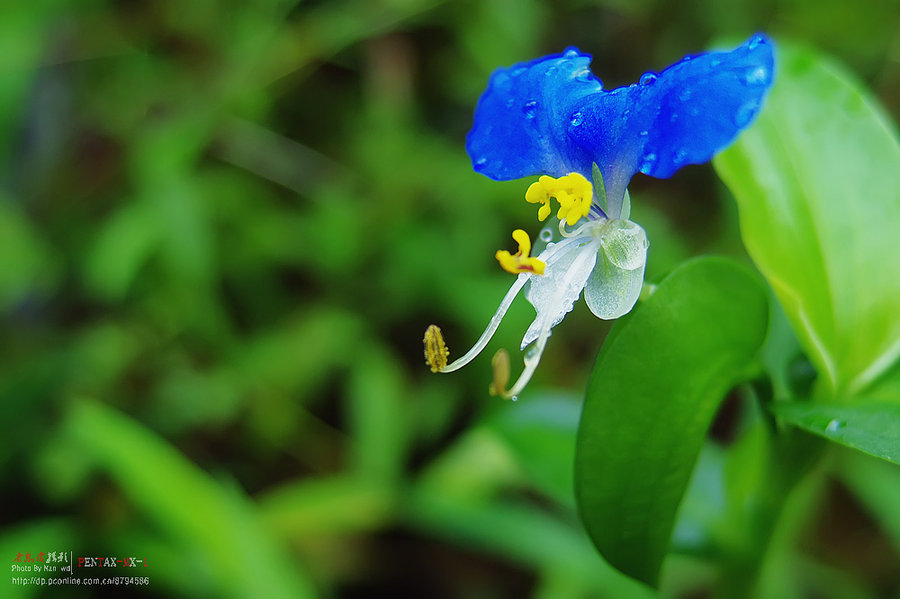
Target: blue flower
552 117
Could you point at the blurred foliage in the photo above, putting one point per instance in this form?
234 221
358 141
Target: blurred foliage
224 227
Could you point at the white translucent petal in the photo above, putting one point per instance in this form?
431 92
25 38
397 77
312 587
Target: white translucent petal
612 290
553 294
625 244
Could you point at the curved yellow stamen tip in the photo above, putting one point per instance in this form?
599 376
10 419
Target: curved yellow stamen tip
573 192
520 261
500 363
436 352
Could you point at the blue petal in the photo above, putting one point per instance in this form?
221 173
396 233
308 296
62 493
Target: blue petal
552 116
517 130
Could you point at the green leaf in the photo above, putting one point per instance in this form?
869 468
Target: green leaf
215 522
870 427
657 384
817 182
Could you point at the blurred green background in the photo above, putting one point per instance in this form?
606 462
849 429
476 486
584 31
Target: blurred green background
224 228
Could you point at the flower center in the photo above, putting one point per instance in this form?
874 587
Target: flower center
573 192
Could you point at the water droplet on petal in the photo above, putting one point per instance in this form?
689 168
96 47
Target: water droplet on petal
510 102
755 41
680 155
517 71
576 119
834 425
529 109
551 70
546 235
673 117
745 113
481 161
685 94
648 78
626 112
571 52
584 75
755 76
644 133
649 161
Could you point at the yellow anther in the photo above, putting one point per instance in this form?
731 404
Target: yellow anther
520 261
436 352
500 363
575 198
573 192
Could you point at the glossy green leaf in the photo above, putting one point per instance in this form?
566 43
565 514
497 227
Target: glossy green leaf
657 384
870 427
817 181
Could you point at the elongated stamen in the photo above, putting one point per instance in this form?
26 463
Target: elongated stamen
533 355
436 352
488 332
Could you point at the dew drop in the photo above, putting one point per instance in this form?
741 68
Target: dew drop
571 52
546 235
680 155
626 113
755 41
745 113
834 425
648 78
576 119
585 76
551 70
481 161
529 109
644 133
649 161
756 76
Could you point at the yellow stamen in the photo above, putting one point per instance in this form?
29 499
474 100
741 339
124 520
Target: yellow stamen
520 261
436 352
500 363
573 192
